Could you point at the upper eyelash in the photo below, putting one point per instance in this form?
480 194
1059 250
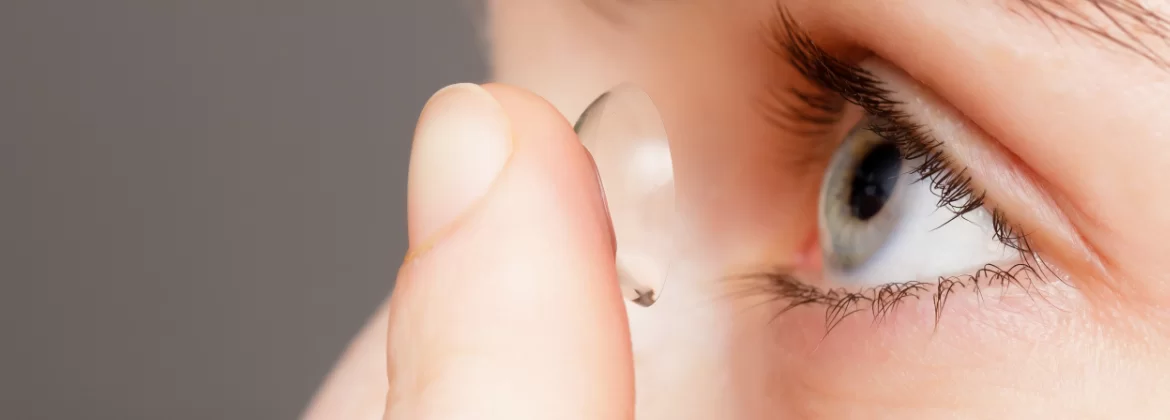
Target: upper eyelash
858 86
810 114
953 188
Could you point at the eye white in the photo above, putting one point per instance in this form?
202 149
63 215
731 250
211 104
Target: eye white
925 243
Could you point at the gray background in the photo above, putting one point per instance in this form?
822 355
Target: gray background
201 201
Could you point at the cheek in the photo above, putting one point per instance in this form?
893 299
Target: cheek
985 357
682 348
706 352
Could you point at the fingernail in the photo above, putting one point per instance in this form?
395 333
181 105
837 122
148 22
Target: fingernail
462 142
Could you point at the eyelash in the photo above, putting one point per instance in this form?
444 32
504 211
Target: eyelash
953 187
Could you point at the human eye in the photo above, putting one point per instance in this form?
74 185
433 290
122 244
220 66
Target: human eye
889 208
897 217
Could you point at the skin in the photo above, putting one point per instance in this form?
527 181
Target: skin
1054 124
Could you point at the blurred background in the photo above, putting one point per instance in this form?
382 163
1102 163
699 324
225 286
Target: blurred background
202 201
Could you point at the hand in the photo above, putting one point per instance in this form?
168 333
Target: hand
507 305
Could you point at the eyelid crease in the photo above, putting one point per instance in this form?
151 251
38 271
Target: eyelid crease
969 146
949 180
961 193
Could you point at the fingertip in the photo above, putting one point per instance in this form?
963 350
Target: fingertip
542 130
538 114
517 310
461 144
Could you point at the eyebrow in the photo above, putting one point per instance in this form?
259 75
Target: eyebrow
1123 23
1127 24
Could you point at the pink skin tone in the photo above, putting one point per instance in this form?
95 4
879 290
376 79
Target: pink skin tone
1065 133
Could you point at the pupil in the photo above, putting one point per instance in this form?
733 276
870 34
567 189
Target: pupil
874 180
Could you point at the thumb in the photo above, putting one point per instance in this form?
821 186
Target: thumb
508 305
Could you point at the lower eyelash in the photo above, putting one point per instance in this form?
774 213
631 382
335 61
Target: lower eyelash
881 301
953 187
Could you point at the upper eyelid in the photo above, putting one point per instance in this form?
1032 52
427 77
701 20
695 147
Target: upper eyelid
967 146
860 85
1082 118
1015 189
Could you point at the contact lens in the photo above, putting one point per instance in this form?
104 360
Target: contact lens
623 131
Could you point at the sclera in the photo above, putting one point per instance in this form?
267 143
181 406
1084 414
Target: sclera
623 130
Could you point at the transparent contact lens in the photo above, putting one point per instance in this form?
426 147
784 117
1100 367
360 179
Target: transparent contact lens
623 131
